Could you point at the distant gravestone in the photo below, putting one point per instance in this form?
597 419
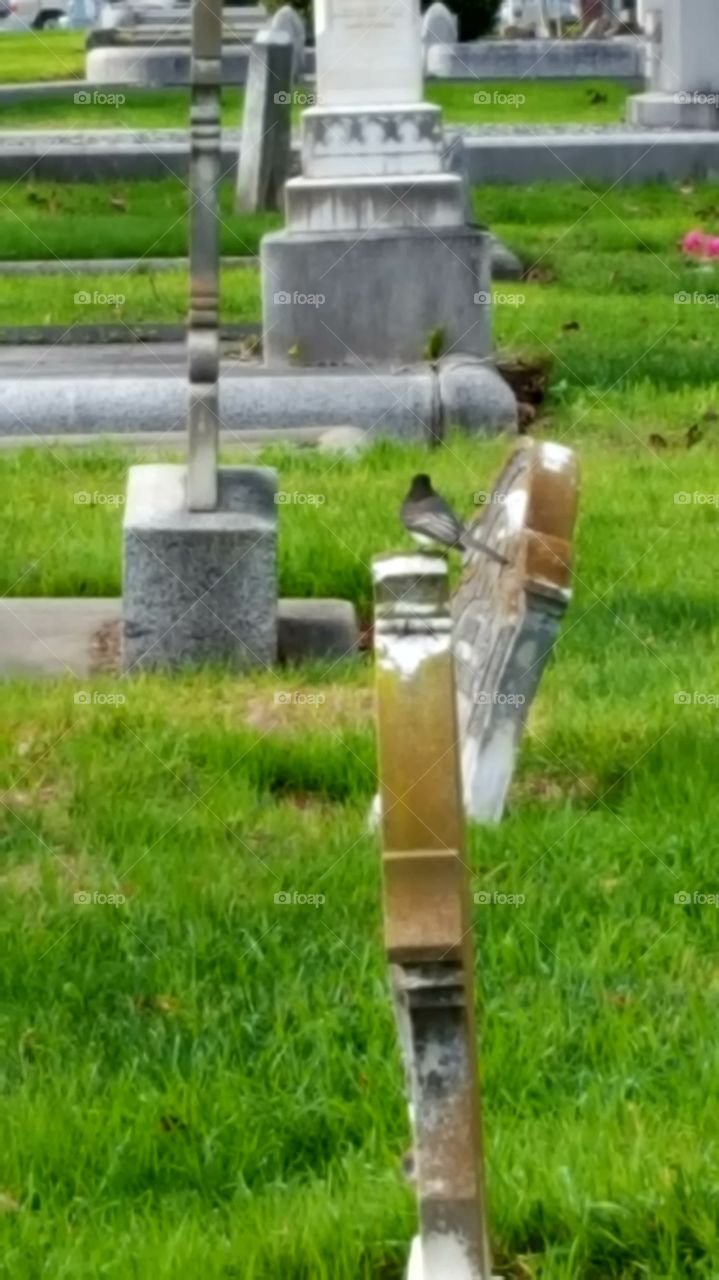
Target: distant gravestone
265 146
288 21
506 617
439 26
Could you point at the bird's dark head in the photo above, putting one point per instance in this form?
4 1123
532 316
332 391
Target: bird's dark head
421 487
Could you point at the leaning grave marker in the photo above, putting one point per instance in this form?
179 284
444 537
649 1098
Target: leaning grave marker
463 677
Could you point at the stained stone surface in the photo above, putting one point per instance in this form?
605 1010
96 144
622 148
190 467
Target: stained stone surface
200 586
288 21
506 617
317 629
265 152
368 51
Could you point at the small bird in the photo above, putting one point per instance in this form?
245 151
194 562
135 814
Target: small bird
431 520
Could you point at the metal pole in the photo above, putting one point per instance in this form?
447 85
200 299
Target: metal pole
428 922
203 329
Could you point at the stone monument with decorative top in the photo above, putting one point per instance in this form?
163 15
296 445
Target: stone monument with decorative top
376 263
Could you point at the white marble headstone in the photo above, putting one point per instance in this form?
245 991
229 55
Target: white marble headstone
369 52
690 53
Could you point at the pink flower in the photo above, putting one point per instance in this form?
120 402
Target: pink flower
695 242
711 247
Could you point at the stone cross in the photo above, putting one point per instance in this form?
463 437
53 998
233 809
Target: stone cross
203 332
428 926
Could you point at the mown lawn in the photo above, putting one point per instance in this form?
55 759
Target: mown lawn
30 56
201 1081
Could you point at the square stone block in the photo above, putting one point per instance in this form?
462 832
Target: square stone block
199 586
345 298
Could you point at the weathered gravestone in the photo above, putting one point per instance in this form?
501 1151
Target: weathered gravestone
439 26
462 679
686 93
288 21
376 255
507 617
265 147
427 911
200 542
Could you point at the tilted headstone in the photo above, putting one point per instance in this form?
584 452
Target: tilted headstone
288 21
427 912
266 123
507 617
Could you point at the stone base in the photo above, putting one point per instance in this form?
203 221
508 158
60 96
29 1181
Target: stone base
343 299
674 110
199 587
157 68
415 404
310 629
354 204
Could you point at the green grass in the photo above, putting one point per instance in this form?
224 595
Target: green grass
200 1080
463 102
586 245
41 220
30 56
